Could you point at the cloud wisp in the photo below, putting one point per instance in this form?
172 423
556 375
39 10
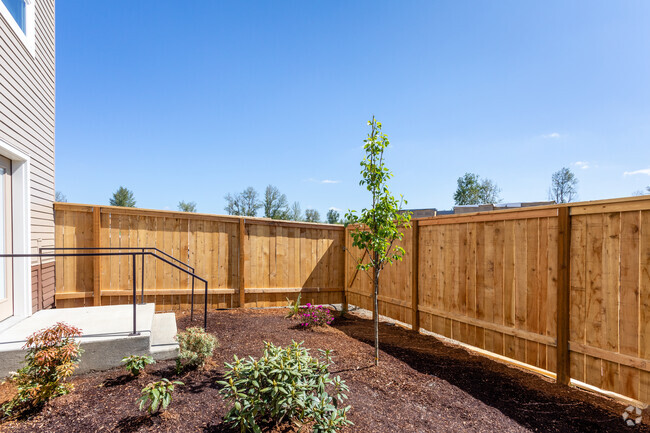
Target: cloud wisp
552 135
645 171
582 164
323 181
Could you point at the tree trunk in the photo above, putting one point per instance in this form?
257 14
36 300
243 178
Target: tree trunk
376 314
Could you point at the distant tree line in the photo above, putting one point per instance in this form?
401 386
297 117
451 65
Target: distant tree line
246 203
275 205
472 190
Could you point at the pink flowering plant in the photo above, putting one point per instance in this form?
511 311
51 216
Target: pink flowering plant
314 315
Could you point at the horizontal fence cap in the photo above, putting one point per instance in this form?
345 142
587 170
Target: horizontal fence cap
134 211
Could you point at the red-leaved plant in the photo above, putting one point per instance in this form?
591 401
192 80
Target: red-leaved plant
52 356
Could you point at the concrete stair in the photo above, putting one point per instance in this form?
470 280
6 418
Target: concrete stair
163 341
106 335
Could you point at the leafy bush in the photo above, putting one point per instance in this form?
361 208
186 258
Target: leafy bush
52 356
135 364
284 384
315 315
294 307
157 395
196 346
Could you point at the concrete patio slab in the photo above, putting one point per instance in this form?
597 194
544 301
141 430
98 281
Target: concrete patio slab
106 337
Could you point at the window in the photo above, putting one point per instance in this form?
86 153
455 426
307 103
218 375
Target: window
17 9
19 14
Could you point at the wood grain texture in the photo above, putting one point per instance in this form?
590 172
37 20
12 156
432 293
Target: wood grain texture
563 288
229 252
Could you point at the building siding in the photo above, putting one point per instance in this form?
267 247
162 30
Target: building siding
27 105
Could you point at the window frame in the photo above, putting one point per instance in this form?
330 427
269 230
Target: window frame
28 38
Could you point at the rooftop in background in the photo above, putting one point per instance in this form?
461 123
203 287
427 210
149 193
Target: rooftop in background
422 213
497 206
432 212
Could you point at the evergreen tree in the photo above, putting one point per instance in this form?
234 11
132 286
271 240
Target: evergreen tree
122 197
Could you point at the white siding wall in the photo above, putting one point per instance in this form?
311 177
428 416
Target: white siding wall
27 112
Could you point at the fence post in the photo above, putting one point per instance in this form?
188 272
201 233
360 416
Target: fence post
97 272
563 295
415 246
344 306
242 263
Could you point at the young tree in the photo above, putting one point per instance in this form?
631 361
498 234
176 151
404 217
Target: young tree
563 186
312 216
60 197
122 197
472 190
245 203
295 214
333 217
276 205
378 228
187 206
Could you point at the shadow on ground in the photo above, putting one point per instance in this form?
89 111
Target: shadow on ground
526 398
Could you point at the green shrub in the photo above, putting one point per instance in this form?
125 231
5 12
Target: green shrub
196 346
157 395
294 307
284 384
52 356
135 364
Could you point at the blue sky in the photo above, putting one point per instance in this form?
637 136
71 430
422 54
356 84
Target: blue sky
193 100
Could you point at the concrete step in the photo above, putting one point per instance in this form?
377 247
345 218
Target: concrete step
163 336
106 335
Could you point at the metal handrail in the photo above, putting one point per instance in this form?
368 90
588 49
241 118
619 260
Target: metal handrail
40 250
117 248
133 255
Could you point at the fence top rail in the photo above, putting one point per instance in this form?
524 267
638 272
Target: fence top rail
618 205
576 208
501 215
193 215
41 249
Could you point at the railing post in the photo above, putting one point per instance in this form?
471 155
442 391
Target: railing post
205 307
142 283
192 301
135 331
415 245
242 263
563 360
39 282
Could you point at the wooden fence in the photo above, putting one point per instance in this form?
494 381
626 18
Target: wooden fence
564 288
271 260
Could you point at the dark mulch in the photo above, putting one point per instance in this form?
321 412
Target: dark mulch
420 385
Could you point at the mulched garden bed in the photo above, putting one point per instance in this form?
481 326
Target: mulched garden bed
421 385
